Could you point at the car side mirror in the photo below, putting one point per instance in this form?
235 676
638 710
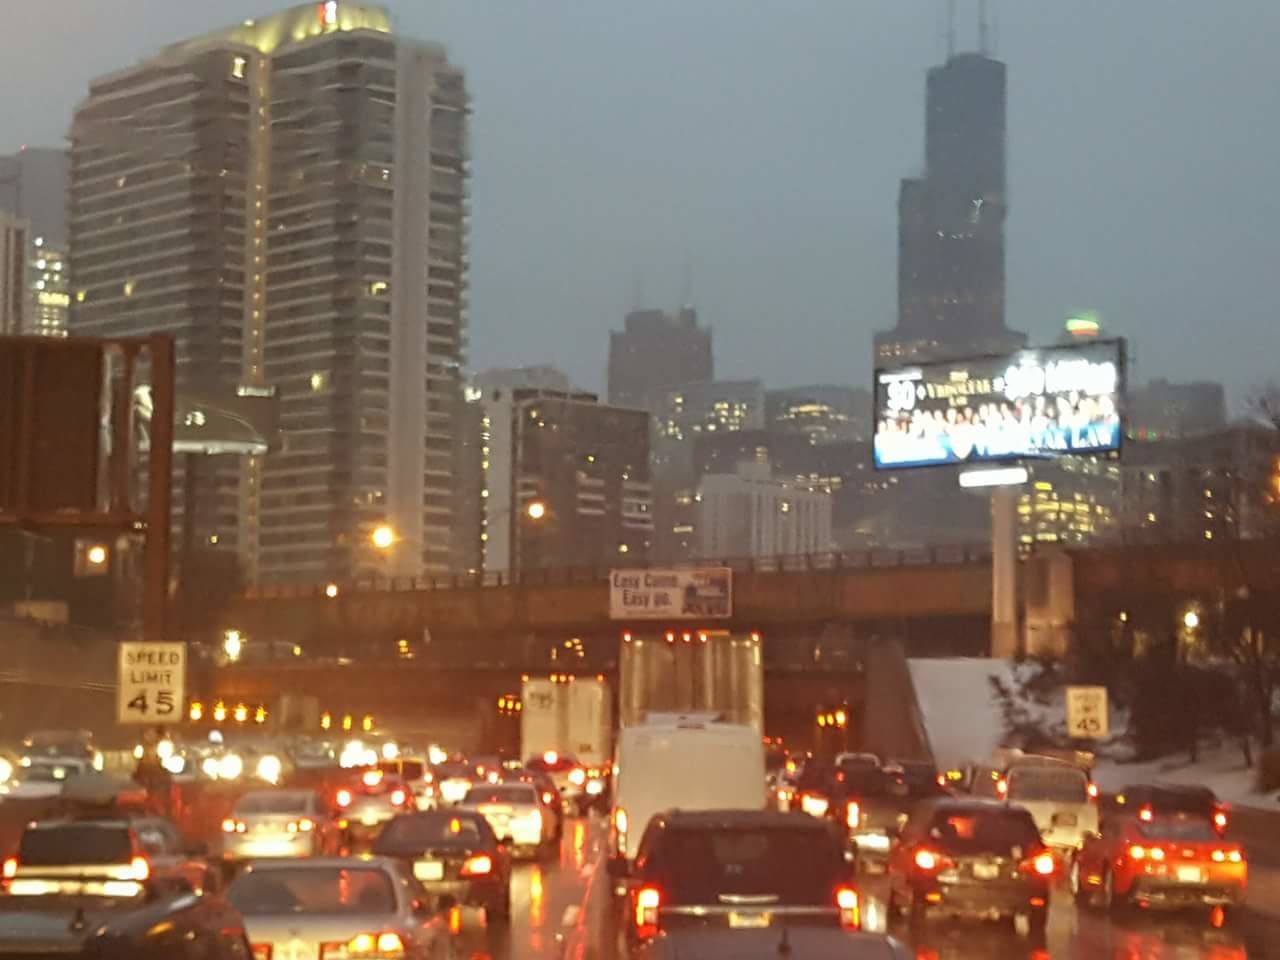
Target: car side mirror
619 868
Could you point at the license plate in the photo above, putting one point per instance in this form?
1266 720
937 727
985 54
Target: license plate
427 870
985 871
1064 820
749 921
296 950
369 818
1189 875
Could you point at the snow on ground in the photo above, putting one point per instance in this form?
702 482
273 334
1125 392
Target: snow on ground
1221 769
959 707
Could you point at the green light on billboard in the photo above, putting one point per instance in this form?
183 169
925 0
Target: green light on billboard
1084 325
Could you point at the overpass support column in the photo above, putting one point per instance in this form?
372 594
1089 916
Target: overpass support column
1004 571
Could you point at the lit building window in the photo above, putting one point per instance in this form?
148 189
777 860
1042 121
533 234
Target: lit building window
237 67
128 287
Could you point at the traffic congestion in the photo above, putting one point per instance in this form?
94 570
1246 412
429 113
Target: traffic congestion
670 833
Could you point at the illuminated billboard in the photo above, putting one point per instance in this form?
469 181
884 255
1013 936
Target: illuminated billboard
1042 402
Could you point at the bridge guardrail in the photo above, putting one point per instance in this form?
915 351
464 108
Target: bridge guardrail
565 576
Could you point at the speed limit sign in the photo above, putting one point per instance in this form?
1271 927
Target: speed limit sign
152 683
1087 713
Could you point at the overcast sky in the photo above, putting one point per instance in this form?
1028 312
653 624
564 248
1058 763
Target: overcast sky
761 142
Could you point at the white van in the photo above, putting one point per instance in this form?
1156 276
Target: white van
674 762
1060 797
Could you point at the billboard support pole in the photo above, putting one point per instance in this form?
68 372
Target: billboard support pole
159 495
1004 571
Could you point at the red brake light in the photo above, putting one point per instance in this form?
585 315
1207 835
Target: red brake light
228 826
1093 790
306 824
1220 819
371 778
478 866
1145 813
397 798
547 796
261 951
927 860
344 798
10 868
648 900
1002 787
1041 864
850 912
853 815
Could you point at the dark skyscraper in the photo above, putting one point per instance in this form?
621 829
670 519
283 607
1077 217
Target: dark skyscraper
951 221
654 353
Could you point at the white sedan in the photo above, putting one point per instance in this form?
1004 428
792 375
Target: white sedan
514 811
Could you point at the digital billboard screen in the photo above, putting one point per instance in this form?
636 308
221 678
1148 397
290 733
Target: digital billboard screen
1044 402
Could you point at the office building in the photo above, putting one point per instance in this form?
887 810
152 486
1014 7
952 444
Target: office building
288 198
579 494
1070 501
951 256
1162 410
657 352
748 513
33 189
14 281
824 413
1219 485
488 474
49 290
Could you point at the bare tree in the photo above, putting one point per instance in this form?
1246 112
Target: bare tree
1263 403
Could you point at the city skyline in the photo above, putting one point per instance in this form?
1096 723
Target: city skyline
1161 249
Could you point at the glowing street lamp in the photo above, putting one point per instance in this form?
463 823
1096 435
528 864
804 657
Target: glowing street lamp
232 645
536 510
1191 619
383 537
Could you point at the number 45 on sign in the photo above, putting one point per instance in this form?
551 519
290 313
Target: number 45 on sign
152 681
1087 713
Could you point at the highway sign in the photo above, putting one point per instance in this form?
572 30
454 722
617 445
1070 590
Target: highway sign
152 683
1087 714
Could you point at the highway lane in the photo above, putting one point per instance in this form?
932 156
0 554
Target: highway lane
560 911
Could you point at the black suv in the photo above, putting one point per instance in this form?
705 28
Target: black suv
733 869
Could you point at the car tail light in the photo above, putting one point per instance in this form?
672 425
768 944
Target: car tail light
814 805
1042 864
366 946
10 868
371 778
1002 787
261 951
1220 820
1228 856
1137 852
929 860
480 865
1093 790
139 869
228 826
620 826
1145 813
306 825
577 776
547 796
853 814
850 910
397 798
648 900
344 798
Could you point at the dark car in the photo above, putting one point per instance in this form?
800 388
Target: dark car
971 858
778 940
737 870
878 802
90 888
1148 801
454 854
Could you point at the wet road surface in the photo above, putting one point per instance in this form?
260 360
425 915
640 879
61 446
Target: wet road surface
560 910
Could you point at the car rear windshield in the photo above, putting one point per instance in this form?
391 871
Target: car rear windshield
75 844
502 793
312 890
1037 783
984 831
1184 829
428 831
712 866
1173 801
560 765
252 803
445 771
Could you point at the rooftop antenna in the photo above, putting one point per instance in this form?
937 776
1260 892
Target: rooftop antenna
951 28
984 47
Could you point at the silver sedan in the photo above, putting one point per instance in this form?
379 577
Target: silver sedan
358 907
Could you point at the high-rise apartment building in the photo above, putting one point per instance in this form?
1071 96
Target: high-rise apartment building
14 240
33 189
951 262
654 353
288 198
